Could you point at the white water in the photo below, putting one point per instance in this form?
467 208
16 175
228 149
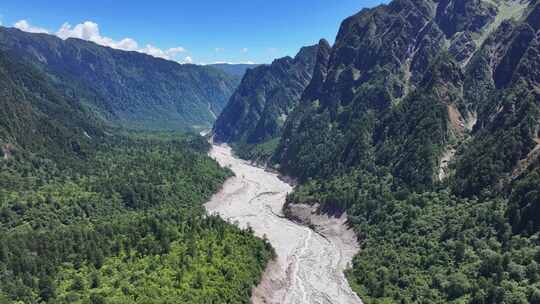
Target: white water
309 266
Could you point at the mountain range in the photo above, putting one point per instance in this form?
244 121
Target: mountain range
93 172
422 117
421 123
127 89
258 109
407 83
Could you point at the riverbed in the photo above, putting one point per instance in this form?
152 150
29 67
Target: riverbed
310 262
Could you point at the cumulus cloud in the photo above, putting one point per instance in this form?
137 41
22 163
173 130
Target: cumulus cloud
169 54
90 31
24 25
219 50
244 50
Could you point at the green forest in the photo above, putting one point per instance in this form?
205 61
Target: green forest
421 122
434 246
441 184
472 238
123 224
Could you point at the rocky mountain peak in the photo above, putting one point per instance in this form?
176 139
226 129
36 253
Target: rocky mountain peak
320 70
407 65
258 109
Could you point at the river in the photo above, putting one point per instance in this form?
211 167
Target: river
310 264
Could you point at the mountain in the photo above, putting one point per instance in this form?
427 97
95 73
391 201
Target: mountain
422 124
408 82
267 94
130 89
35 116
79 197
234 69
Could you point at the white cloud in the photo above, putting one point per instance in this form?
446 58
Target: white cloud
169 54
154 51
89 30
188 59
244 50
24 25
219 50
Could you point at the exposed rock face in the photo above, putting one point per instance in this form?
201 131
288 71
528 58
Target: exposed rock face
407 75
130 88
454 16
7 151
411 94
502 86
258 109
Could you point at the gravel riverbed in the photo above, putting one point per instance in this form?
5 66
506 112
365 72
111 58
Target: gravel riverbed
310 263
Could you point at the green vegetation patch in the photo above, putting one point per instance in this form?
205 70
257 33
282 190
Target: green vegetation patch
123 225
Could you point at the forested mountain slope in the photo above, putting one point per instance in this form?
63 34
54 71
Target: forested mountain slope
398 71
425 130
93 214
267 94
37 117
422 123
127 88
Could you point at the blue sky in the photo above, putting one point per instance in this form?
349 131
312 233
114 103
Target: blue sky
201 31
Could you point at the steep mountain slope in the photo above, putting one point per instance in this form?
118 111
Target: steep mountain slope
36 117
85 211
422 123
259 107
503 85
130 88
401 70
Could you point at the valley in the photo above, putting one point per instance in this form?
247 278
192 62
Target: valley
310 262
396 162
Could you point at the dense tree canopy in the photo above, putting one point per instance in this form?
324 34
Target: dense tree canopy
125 225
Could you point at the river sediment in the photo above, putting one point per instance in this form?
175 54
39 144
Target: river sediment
310 258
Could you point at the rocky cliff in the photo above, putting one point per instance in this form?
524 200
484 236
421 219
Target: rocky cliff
267 94
407 83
